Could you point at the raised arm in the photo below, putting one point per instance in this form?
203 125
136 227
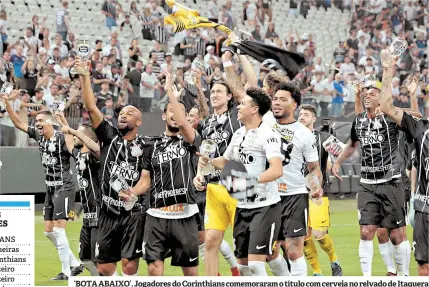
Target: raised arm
143 184
87 93
252 79
93 147
358 99
185 127
412 88
345 154
386 101
232 79
16 120
60 118
203 108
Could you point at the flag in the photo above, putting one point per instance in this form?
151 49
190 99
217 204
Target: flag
184 18
292 63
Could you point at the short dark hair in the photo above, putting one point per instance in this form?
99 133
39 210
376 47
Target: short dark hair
261 99
273 78
44 112
309 108
292 89
168 102
223 83
89 131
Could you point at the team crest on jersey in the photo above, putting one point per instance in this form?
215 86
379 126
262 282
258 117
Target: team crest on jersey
81 165
372 137
376 124
48 159
125 170
427 164
172 151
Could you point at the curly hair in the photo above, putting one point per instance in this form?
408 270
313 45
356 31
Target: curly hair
273 78
261 99
292 89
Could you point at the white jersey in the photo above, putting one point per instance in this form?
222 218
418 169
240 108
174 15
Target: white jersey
299 147
254 148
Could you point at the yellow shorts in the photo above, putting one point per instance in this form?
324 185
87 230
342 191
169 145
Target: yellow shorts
319 216
220 208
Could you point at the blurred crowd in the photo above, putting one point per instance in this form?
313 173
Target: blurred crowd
38 63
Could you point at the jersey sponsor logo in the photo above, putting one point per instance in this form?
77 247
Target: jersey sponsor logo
170 193
272 140
423 198
372 137
54 183
426 164
282 186
245 158
286 134
177 208
82 182
376 168
171 152
219 137
48 159
90 215
125 170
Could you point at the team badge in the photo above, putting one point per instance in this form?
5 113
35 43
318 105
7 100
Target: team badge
136 150
51 147
222 119
377 124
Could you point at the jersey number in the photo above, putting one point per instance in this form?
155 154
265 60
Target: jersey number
287 148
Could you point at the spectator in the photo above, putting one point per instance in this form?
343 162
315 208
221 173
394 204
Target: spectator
339 53
210 55
62 21
98 78
30 74
147 89
134 76
108 111
158 52
134 10
51 96
161 35
213 11
18 61
347 67
103 95
156 68
134 51
256 34
148 24
167 62
271 34
304 8
3 28
30 39
252 14
7 129
109 10
338 96
189 45
116 82
126 23
327 98
59 44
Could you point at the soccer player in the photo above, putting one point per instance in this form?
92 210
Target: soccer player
381 200
299 149
55 152
86 154
418 129
119 232
257 217
168 168
319 216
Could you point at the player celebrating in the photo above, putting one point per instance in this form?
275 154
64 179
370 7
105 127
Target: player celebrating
172 215
418 129
299 149
86 153
319 220
257 216
55 152
381 201
120 232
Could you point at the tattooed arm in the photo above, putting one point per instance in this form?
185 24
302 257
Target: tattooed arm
232 79
386 101
203 108
252 79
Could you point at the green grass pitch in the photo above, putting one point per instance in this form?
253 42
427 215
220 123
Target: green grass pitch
344 231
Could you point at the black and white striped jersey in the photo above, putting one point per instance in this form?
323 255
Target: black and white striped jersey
419 130
55 159
87 172
320 137
405 147
190 51
378 139
220 128
121 159
169 159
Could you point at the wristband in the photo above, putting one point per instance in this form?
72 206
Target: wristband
227 64
258 179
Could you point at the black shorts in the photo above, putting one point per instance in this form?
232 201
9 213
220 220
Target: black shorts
294 217
420 237
382 204
201 202
87 239
119 236
59 203
256 230
179 235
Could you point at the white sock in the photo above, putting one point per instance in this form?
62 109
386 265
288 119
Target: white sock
73 260
366 252
402 257
257 268
298 267
244 270
201 249
279 267
387 257
52 237
123 274
90 266
63 249
227 253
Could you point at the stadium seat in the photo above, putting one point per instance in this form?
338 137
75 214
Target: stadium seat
334 188
355 183
345 184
